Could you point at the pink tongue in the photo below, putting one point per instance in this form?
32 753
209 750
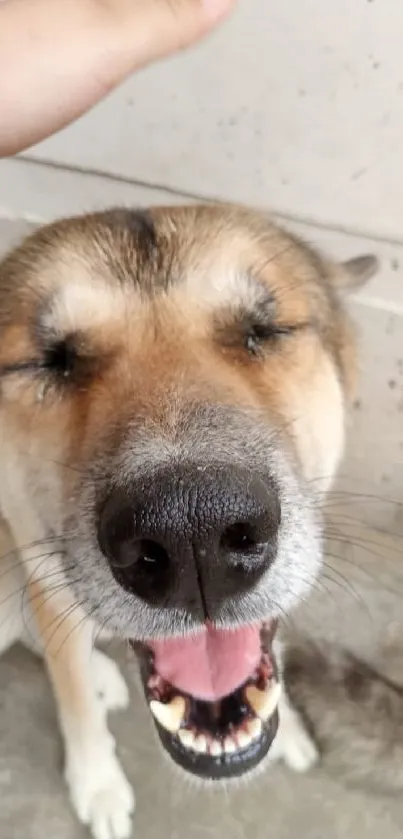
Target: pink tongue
212 663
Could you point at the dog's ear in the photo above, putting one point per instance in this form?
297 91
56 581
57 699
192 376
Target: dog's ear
356 272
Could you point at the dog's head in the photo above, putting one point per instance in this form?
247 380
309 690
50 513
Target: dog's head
173 385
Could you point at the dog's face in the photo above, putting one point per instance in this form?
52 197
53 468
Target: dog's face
172 401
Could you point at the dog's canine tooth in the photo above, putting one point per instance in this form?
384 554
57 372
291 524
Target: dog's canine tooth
169 715
187 738
215 748
229 746
200 744
254 727
243 739
263 702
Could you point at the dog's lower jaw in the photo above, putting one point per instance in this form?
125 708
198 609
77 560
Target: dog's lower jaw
292 745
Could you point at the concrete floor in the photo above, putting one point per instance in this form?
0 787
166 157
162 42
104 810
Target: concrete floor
362 606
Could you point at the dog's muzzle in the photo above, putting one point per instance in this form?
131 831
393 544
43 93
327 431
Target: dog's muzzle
192 540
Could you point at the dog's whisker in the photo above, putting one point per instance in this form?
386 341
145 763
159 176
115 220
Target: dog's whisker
348 544
58 622
338 579
81 624
38 543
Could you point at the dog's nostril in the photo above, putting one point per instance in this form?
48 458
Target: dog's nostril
239 537
141 566
145 564
152 558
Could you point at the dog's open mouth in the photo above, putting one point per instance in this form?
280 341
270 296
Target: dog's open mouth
214 697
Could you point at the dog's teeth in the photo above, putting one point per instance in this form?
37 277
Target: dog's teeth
187 738
243 739
200 744
254 728
215 748
229 746
263 702
169 715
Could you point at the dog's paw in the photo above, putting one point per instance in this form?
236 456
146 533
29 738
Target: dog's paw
109 683
293 745
298 750
101 794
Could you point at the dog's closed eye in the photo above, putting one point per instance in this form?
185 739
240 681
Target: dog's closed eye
63 359
254 331
259 334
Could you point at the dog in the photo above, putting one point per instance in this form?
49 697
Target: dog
173 389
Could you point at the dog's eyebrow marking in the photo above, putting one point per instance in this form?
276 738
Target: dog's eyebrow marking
237 290
80 305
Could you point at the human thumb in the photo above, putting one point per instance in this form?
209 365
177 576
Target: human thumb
168 26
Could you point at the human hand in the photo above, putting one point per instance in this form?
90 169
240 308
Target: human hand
58 58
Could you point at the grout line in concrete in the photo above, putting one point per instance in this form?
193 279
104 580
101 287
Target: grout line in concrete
187 194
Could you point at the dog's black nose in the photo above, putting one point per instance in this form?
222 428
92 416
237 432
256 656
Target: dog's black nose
191 538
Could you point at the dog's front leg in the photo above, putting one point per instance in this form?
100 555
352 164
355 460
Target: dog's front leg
100 793
292 745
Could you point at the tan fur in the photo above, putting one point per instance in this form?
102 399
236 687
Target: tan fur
158 327
75 261
66 661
